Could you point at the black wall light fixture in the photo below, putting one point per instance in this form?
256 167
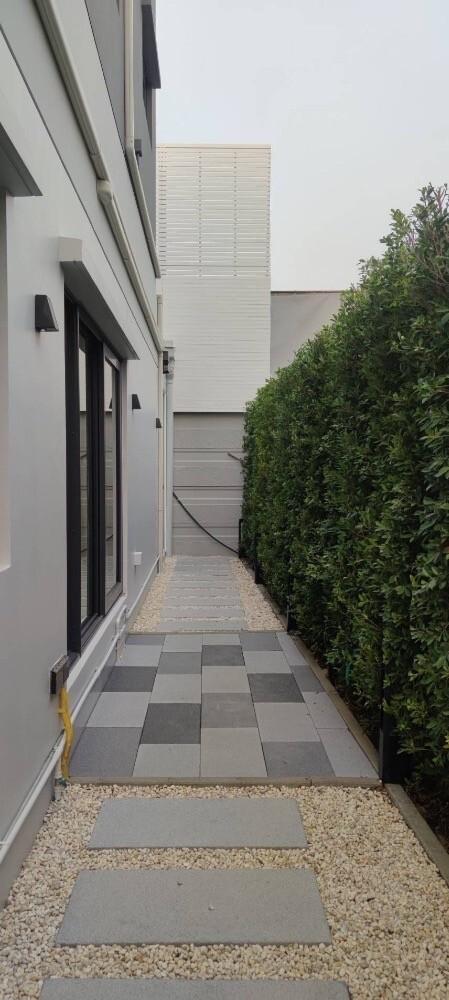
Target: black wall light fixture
44 315
135 402
158 423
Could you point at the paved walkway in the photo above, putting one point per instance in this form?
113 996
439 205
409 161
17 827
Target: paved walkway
222 705
202 596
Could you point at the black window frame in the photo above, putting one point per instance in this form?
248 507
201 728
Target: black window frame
79 325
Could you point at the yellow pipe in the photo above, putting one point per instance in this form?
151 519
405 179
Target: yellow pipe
64 712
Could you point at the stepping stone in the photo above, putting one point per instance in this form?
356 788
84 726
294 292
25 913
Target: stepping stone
192 989
239 822
195 907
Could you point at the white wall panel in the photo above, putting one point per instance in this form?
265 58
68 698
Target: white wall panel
214 249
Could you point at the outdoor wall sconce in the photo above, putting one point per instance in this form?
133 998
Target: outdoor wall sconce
44 315
135 402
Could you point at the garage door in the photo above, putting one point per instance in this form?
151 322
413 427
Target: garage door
208 480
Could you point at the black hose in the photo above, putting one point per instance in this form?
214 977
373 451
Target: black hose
206 532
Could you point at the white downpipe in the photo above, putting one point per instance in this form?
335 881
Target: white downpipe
130 135
53 26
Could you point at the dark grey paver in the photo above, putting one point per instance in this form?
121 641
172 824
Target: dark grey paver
305 678
222 656
226 710
131 679
175 723
180 663
198 907
145 639
105 753
297 760
239 822
260 640
176 989
274 687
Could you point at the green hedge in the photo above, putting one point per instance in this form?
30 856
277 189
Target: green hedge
347 487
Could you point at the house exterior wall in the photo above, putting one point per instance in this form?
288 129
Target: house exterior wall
37 115
295 318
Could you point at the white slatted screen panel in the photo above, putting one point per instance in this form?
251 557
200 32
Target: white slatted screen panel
214 250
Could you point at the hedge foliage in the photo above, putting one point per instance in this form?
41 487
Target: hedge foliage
347 487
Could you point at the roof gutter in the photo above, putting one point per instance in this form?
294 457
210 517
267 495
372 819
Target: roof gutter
52 23
130 135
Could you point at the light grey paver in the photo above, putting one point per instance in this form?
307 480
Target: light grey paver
194 611
199 907
176 989
140 655
345 754
225 680
182 644
290 649
177 688
241 822
232 753
265 663
201 624
225 639
323 712
120 709
286 721
167 760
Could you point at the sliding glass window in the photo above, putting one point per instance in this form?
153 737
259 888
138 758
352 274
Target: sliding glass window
93 477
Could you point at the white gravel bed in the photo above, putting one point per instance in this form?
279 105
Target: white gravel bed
258 612
148 618
387 907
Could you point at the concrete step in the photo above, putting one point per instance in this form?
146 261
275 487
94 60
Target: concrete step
221 823
241 906
175 989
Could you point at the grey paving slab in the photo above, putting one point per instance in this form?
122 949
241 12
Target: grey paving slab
172 724
140 655
194 611
198 907
323 711
226 639
201 624
345 755
180 663
130 679
263 662
177 989
105 753
290 649
167 760
182 644
224 711
120 708
232 753
195 600
274 687
297 760
289 722
305 678
222 655
225 680
145 639
240 822
177 688
267 641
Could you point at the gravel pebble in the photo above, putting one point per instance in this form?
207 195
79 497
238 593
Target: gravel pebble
148 618
387 907
258 612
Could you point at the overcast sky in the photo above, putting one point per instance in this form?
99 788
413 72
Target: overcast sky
352 95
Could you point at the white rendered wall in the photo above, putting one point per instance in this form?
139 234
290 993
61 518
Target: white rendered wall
214 249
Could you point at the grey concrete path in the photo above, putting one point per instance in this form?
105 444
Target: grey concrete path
202 595
229 705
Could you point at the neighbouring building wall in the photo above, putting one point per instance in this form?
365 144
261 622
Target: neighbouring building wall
295 318
37 119
214 249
